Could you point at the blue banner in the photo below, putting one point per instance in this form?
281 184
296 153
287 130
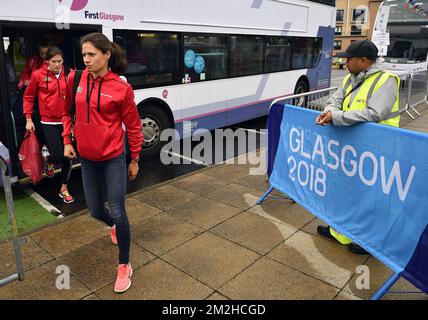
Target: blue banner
368 181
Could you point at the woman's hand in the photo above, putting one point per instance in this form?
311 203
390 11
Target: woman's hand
133 170
69 151
30 126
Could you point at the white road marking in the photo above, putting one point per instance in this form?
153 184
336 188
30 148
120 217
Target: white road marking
251 130
185 158
40 200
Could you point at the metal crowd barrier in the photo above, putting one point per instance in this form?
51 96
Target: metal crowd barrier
314 100
13 228
413 92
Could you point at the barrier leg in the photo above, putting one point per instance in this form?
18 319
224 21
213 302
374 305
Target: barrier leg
263 197
386 286
14 230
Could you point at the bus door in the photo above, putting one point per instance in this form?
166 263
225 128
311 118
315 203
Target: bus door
20 41
7 138
323 49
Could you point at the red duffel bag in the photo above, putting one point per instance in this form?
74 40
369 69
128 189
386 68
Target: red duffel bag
30 157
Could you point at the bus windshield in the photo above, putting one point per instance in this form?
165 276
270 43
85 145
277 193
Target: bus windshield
407 50
403 11
408 30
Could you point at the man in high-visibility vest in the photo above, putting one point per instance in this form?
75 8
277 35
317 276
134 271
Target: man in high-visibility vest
367 94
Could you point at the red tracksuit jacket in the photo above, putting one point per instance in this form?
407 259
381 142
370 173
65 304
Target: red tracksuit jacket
102 105
34 63
50 91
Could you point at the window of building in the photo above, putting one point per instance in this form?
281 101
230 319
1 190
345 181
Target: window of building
337 45
356 31
340 13
277 54
205 57
246 55
338 30
153 58
359 15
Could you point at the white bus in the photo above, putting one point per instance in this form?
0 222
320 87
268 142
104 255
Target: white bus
192 63
408 30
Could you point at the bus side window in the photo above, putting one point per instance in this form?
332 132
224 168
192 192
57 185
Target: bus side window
152 57
205 57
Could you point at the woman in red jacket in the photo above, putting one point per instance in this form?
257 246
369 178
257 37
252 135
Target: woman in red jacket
49 85
103 101
34 63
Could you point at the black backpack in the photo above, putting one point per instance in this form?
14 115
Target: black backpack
77 77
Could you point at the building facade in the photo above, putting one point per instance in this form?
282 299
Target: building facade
354 21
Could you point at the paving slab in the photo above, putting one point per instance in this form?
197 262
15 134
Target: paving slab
270 280
32 255
378 274
256 161
258 182
217 297
159 281
204 212
319 258
211 259
162 233
200 183
95 265
236 195
229 172
137 211
165 197
312 227
70 235
254 232
283 210
92 296
346 296
40 284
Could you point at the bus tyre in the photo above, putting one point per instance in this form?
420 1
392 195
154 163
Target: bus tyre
153 121
301 87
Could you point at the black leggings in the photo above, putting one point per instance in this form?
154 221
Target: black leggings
52 133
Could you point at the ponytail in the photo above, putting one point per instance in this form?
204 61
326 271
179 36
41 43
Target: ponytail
117 62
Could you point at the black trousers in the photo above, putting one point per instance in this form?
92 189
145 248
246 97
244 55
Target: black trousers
52 133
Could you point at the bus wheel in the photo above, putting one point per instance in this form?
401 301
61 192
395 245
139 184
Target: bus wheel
301 87
153 121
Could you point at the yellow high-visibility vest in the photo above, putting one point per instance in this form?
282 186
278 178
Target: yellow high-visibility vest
364 93
367 89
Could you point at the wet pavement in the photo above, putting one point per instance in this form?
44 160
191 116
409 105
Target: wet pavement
198 236
202 236
152 172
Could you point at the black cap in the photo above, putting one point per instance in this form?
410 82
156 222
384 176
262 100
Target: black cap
360 48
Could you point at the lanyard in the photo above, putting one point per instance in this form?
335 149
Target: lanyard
353 89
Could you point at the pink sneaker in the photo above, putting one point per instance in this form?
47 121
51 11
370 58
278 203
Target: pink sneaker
123 280
113 234
66 196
